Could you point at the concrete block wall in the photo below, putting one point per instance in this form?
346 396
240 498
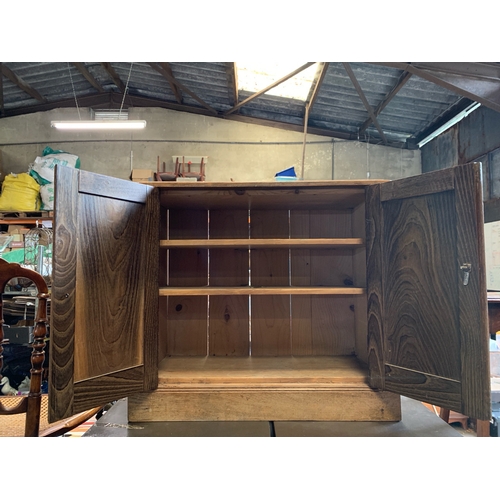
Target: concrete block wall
236 150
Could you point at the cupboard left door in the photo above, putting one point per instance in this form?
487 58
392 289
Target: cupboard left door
104 304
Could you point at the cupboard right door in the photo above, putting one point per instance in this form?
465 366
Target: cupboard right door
427 300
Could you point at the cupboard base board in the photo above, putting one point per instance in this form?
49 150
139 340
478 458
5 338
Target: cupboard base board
353 405
329 388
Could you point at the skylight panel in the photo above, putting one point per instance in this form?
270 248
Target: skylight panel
253 77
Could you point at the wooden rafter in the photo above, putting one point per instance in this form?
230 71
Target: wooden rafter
114 76
317 84
474 88
166 68
405 76
83 70
269 87
362 96
25 87
232 83
309 103
161 69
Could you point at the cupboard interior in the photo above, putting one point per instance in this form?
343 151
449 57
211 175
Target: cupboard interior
262 287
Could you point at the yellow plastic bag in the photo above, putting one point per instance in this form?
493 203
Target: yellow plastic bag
20 193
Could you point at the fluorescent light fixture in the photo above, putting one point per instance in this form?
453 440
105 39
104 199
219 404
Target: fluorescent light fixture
450 123
253 77
99 125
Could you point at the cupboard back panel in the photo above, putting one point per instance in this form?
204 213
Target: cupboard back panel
187 316
269 325
229 333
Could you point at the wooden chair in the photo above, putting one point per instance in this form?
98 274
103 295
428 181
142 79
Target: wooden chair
166 176
22 415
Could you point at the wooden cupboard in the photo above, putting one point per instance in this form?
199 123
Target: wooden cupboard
321 300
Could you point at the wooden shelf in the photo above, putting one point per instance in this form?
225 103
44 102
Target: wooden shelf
265 242
305 371
247 290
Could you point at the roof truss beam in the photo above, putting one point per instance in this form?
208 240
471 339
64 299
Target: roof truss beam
166 71
84 71
363 98
114 76
405 76
161 68
484 91
232 83
25 87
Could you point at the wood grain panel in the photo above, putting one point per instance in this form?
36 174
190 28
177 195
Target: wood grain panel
271 405
150 262
229 322
270 316
472 298
188 316
108 388
420 295
375 270
105 286
61 396
270 326
110 282
425 387
229 326
187 326
321 325
261 196
423 184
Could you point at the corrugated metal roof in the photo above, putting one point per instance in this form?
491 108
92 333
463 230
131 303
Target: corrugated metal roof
205 87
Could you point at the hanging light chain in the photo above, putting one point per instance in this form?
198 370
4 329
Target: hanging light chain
74 93
126 89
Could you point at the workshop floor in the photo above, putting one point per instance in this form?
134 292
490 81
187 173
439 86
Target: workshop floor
459 422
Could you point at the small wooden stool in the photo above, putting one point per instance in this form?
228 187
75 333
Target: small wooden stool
452 416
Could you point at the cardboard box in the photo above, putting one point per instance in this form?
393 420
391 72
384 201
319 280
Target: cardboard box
17 229
142 174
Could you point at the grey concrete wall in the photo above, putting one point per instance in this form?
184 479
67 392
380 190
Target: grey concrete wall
237 151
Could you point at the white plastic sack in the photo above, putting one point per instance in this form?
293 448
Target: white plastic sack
47 195
42 170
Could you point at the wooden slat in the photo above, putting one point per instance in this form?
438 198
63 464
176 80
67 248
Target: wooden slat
103 185
271 335
425 387
63 297
265 290
375 297
229 314
349 405
473 319
187 313
432 182
265 242
229 326
321 325
255 371
210 195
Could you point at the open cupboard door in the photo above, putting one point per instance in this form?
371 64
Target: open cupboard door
104 303
427 300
